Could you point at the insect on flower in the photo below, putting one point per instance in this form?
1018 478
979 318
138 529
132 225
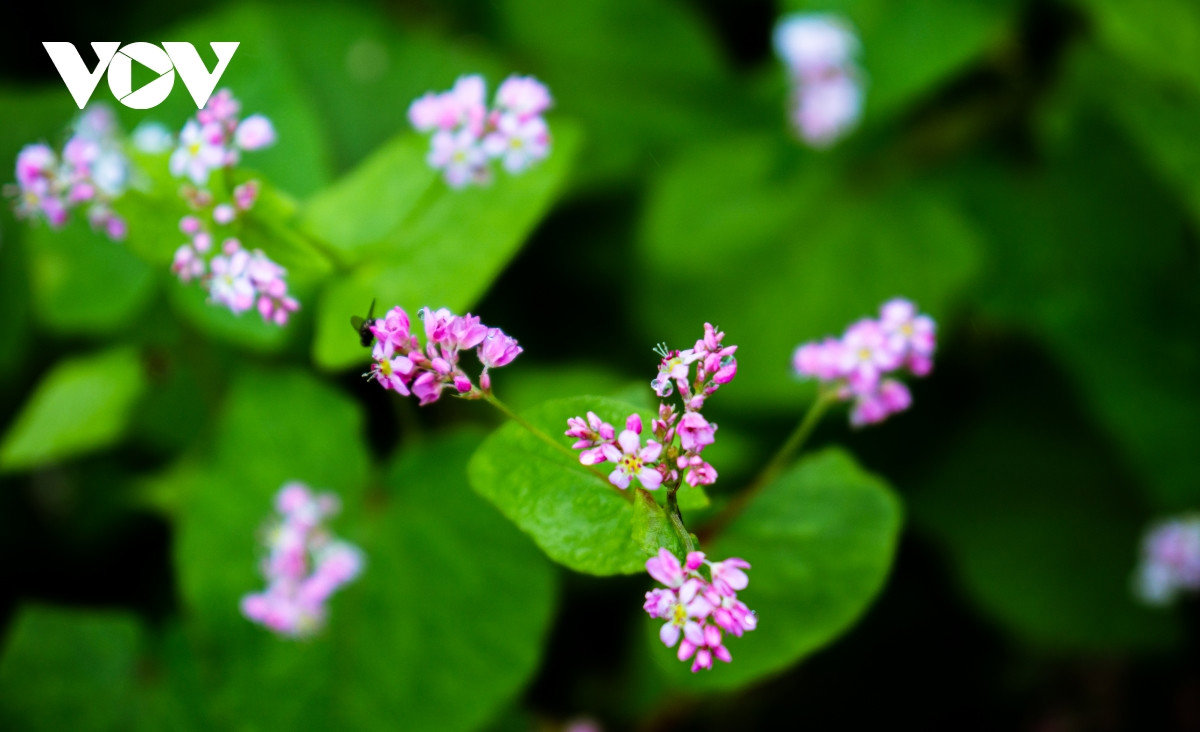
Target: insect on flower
362 326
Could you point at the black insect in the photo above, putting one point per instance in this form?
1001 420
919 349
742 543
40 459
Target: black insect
362 326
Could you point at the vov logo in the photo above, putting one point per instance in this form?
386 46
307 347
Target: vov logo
118 60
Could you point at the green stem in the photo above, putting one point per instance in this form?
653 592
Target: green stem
782 458
533 430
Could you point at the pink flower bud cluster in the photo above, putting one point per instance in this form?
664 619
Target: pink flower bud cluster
216 138
92 171
468 137
304 565
696 609
679 437
1170 561
857 365
213 255
818 51
403 366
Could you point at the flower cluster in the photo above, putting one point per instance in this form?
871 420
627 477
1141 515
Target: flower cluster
304 565
234 277
92 171
467 136
679 436
857 365
213 255
1170 561
215 138
818 51
403 366
698 609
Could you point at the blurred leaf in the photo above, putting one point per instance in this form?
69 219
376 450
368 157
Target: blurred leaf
83 283
431 245
1155 35
453 598
1041 525
73 669
643 75
843 251
576 517
1162 119
82 405
911 48
1123 314
820 540
535 383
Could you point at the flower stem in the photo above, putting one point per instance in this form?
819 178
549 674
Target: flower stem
504 409
782 458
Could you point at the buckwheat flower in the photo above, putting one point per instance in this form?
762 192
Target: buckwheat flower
518 143
591 437
459 156
245 195
187 265
152 138
827 109
909 333
431 111
468 96
231 285
1170 562
465 331
223 214
254 133
305 565
391 333
698 611
632 460
393 373
427 388
222 109
197 154
812 43
866 354
497 349
34 163
523 96
695 432
819 360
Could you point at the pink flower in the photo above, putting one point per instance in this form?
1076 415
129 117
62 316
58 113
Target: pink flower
697 610
821 360
391 333
245 194
459 156
695 432
304 565
498 349
591 435
34 163
633 460
231 285
523 96
254 133
518 142
427 388
866 354
1170 562
223 213
909 333
187 265
465 331
811 44
197 154
827 109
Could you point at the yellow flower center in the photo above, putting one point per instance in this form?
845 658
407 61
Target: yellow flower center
679 616
631 463
386 367
194 148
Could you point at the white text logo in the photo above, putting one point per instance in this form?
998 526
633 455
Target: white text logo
118 60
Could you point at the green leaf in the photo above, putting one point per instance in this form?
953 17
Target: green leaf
820 540
576 517
82 282
427 244
652 529
82 405
1161 36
